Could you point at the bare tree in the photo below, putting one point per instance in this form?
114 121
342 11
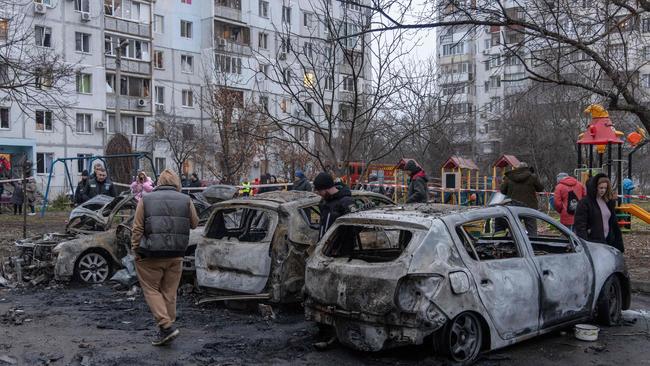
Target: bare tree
31 74
338 85
178 137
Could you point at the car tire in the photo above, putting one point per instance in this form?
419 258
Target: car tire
460 339
610 302
93 267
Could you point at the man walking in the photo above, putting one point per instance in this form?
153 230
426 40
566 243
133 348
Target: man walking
335 202
522 185
417 190
161 231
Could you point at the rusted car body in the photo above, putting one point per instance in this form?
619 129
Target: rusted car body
475 279
255 248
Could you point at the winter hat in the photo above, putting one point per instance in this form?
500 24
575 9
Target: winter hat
411 166
323 181
84 173
561 176
300 174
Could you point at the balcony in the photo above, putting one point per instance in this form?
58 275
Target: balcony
128 103
225 46
127 26
129 65
227 12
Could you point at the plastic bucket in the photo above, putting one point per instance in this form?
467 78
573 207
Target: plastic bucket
586 332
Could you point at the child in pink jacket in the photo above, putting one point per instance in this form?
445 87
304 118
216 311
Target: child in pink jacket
141 185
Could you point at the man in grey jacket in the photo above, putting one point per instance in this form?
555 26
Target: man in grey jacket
160 235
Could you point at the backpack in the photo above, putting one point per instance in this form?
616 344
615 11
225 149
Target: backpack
572 203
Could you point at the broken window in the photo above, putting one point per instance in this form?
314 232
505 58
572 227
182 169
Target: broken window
311 215
243 224
488 239
367 243
547 238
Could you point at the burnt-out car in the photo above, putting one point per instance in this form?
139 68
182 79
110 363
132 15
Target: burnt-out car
465 280
255 248
100 213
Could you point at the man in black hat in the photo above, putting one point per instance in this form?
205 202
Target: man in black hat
336 202
417 191
81 187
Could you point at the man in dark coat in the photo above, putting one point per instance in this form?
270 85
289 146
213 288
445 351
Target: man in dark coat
417 191
335 202
592 217
101 184
301 183
521 185
161 234
81 188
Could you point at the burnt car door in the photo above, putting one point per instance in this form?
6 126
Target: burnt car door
235 251
565 270
507 283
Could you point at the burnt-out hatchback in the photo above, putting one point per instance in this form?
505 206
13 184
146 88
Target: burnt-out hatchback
254 248
465 280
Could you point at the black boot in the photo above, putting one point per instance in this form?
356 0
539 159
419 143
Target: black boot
165 336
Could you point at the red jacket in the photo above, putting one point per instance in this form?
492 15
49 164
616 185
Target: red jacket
562 196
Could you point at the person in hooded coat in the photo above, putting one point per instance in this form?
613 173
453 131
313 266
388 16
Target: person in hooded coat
417 190
141 185
522 185
568 187
301 183
595 218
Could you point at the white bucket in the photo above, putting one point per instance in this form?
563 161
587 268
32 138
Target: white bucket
586 332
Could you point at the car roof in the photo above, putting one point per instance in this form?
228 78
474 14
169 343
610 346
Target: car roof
413 213
287 199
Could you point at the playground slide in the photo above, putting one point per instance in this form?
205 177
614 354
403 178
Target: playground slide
636 211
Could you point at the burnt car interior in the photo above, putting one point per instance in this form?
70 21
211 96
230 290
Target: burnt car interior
488 239
244 224
548 239
368 243
88 223
311 214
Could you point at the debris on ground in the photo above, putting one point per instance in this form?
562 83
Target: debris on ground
4 282
14 316
6 359
186 289
133 291
266 311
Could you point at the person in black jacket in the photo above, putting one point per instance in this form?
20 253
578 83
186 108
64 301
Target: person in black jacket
417 190
335 203
595 218
81 188
99 185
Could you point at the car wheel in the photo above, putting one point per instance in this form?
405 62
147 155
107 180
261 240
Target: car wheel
461 339
610 302
93 267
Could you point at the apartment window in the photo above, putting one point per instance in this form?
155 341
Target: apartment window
264 102
158 24
187 63
307 19
44 121
263 41
84 123
285 45
188 98
353 5
495 81
81 162
646 53
82 42
348 83
264 8
128 9
158 60
160 95
329 82
160 164
309 109
189 2
43 162
82 5
645 80
453 49
4 29
229 64
308 48
4 118
137 125
286 14
309 79
43 36
84 83
108 45
645 25
286 75
43 78
186 29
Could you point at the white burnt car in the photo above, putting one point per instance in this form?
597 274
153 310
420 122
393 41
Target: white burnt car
256 247
465 280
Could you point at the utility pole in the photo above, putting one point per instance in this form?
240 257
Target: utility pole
27 172
121 44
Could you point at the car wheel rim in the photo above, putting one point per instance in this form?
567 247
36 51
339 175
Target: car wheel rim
613 301
93 268
464 338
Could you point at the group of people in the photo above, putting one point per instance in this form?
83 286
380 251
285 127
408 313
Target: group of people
93 185
20 194
589 211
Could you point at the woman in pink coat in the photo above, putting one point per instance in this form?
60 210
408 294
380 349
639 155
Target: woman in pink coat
141 185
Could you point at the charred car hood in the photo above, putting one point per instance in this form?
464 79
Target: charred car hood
93 207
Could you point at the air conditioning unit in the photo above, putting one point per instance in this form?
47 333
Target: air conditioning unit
100 125
160 107
221 43
39 8
85 17
142 103
282 56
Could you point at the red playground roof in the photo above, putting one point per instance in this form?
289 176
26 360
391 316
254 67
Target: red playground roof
505 161
600 132
456 162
